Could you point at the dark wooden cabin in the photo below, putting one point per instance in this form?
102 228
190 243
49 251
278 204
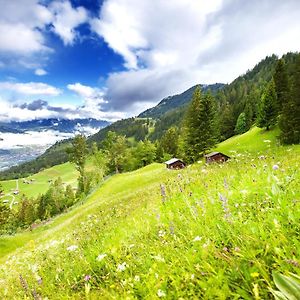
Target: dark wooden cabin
175 164
216 157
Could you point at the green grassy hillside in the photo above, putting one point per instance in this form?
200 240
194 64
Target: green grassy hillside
254 141
37 184
209 231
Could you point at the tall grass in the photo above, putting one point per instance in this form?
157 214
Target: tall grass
218 233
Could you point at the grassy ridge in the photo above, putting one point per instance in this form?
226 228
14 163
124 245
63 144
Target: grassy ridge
212 231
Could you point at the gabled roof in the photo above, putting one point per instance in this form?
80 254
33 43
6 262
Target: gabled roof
172 161
215 153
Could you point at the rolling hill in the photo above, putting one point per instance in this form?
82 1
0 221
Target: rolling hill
208 231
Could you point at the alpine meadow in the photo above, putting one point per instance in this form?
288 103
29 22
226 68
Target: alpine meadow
194 196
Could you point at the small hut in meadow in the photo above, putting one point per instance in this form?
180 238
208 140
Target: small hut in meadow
216 157
175 164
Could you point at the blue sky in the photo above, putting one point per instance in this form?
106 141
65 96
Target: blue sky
113 59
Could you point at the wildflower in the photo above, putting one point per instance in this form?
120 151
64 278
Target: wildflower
225 206
225 184
72 248
122 267
172 228
197 238
137 278
159 258
23 283
163 193
254 274
87 277
161 293
161 233
101 257
293 262
275 167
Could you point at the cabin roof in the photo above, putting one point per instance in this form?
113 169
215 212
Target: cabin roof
172 161
215 153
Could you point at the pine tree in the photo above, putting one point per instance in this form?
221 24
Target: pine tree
268 109
241 125
226 121
289 122
200 124
248 115
281 84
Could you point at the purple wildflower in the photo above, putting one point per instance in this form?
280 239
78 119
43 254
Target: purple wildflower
163 193
87 277
275 167
225 206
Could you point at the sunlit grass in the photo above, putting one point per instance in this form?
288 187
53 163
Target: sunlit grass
218 233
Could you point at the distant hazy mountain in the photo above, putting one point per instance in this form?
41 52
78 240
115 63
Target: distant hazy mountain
176 101
61 125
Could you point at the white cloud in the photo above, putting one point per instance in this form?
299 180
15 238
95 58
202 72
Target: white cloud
21 25
24 23
66 19
20 39
30 88
30 138
93 100
169 46
92 97
40 72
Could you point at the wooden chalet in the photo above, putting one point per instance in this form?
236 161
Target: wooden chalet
175 164
216 157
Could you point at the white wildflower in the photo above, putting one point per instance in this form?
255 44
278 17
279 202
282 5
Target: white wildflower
244 192
72 248
161 293
159 258
137 278
101 257
197 238
161 233
122 267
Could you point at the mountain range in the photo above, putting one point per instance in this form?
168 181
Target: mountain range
61 125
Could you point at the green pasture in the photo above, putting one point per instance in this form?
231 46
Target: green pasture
213 231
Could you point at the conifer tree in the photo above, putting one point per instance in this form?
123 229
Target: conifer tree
281 84
268 109
200 125
241 125
290 117
248 115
